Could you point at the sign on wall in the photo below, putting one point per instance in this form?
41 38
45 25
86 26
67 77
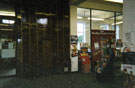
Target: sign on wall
74 39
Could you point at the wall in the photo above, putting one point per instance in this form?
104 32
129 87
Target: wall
129 23
73 20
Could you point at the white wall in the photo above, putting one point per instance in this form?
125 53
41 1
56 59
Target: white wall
73 20
129 23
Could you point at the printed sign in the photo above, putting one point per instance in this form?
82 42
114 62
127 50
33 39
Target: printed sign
74 39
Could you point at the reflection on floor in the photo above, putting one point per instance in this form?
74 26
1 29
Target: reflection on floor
71 80
7 72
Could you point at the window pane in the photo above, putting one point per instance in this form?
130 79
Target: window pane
102 20
119 23
80 27
83 26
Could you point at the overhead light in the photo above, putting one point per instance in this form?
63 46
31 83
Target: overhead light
118 22
96 19
117 1
5 21
43 21
78 17
7 13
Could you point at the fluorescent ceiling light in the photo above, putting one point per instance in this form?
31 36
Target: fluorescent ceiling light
99 19
79 17
5 21
117 1
96 19
7 13
118 22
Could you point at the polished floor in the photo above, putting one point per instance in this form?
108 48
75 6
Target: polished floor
70 80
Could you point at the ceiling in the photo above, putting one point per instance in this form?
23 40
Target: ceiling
78 2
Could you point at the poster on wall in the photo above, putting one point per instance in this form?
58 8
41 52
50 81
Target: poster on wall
74 39
10 45
96 45
8 53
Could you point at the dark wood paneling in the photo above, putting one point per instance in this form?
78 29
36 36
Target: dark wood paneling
35 35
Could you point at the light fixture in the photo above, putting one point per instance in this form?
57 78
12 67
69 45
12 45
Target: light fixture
7 13
117 1
96 19
78 17
118 22
5 21
42 21
19 40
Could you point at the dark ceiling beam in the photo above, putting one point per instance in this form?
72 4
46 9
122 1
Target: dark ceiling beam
77 2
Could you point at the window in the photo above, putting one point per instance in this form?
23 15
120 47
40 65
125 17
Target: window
83 26
102 20
81 32
119 24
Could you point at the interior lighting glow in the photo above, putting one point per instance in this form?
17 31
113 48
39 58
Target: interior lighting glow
96 19
79 17
43 21
5 21
118 22
117 1
19 16
7 13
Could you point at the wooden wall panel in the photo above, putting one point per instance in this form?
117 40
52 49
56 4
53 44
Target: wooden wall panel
35 36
